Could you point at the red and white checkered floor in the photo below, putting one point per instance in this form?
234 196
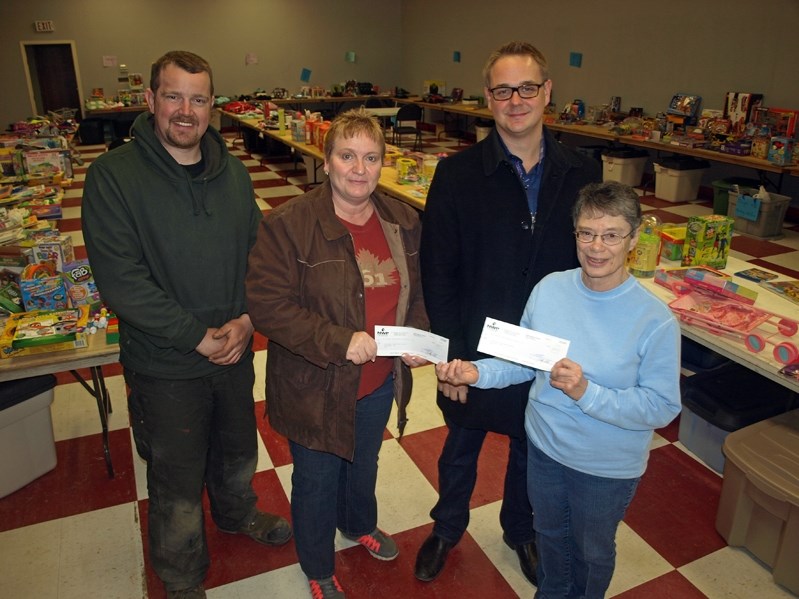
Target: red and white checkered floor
75 533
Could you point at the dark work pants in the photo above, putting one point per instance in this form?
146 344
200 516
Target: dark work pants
192 433
457 475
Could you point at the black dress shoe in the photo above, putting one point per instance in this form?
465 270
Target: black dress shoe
528 559
431 557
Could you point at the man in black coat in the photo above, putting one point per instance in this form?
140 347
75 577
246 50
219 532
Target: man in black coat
497 220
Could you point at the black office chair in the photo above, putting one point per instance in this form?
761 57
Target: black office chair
408 112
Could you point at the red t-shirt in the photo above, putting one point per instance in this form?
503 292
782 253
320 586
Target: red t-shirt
381 286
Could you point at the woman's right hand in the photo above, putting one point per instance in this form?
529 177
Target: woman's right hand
457 372
362 348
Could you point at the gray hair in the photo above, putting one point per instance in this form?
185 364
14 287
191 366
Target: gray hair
609 198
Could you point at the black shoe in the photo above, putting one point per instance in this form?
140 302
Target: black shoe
528 559
431 557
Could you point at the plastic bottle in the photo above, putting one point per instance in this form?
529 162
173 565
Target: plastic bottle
643 258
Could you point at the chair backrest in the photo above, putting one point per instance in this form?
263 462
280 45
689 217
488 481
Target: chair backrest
119 141
351 105
409 112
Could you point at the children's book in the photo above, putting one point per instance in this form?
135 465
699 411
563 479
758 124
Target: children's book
756 274
787 289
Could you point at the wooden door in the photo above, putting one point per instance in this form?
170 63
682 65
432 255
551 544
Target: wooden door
52 73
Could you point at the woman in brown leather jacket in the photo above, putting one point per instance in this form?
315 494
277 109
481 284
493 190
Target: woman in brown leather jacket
327 267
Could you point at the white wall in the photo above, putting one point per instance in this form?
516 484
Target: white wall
286 36
644 51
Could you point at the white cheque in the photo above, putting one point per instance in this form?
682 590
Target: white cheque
520 345
395 341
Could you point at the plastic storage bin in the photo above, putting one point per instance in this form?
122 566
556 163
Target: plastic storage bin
769 219
678 179
27 446
624 165
725 399
722 188
759 505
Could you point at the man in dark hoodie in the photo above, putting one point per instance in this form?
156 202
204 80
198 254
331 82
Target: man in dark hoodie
168 221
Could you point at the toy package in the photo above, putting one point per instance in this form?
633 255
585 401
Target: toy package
10 349
707 240
53 326
720 285
674 279
80 286
58 250
42 287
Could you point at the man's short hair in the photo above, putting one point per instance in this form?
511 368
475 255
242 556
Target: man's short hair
188 61
515 49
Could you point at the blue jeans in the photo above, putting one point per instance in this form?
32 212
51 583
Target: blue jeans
457 475
576 518
194 433
329 492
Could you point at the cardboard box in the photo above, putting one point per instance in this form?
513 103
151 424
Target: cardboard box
673 279
7 337
707 240
58 251
739 147
44 327
43 293
760 146
720 285
80 286
672 240
42 287
781 121
780 150
738 109
48 162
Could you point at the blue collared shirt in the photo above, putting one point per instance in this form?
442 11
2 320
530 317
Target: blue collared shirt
531 181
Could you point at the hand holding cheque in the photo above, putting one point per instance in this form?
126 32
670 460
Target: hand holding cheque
523 346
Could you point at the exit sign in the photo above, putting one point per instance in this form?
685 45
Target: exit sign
43 26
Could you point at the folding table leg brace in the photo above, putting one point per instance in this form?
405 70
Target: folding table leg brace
99 391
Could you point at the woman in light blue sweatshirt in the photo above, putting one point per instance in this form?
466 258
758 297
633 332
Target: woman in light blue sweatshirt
590 420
